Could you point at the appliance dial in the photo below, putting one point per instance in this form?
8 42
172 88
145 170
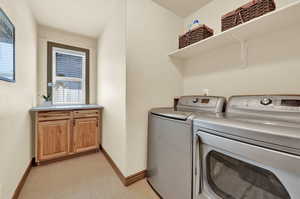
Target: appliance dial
266 101
195 100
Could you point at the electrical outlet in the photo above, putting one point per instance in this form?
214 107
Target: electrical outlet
205 92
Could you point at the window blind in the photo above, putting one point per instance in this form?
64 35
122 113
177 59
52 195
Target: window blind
68 65
6 57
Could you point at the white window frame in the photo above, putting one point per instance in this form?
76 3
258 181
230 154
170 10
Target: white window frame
55 78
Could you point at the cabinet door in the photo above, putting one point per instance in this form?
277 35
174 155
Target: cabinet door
86 134
53 139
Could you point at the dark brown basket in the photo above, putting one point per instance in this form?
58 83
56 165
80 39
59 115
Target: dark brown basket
183 41
247 12
195 35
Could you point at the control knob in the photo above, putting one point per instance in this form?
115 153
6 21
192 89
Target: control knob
266 101
195 100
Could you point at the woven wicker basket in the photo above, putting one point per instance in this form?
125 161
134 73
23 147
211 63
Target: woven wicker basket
195 35
245 13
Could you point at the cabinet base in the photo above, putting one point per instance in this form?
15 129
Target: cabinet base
45 162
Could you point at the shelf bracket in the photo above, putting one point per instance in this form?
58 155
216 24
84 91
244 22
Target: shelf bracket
244 50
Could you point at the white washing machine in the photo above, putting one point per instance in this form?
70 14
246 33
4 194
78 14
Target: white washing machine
253 152
170 145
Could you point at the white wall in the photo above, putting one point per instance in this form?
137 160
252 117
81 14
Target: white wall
112 84
46 34
273 66
16 99
152 79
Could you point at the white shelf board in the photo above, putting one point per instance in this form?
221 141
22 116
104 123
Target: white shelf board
279 19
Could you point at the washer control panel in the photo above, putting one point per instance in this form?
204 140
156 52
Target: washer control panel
265 103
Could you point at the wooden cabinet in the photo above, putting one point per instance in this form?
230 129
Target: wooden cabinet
53 139
85 134
64 133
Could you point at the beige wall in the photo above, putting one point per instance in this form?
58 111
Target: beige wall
46 34
112 84
135 75
212 12
273 60
152 79
16 99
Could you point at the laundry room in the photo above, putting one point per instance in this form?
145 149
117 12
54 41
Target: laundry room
148 99
249 133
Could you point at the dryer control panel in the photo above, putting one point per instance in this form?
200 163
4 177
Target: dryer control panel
201 103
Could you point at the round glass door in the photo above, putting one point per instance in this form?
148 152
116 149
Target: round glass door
231 178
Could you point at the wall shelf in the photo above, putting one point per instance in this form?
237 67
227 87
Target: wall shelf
277 20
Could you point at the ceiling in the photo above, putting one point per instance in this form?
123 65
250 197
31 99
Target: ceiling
85 17
182 8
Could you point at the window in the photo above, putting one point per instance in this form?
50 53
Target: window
7 48
68 74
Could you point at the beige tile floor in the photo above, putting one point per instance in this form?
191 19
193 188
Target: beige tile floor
86 177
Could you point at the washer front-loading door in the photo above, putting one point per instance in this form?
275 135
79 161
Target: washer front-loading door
236 170
229 177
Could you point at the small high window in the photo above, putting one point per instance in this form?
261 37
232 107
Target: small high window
68 75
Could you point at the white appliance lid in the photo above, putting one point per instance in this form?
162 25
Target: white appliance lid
171 113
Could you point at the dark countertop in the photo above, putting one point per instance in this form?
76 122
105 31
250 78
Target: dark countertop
65 107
